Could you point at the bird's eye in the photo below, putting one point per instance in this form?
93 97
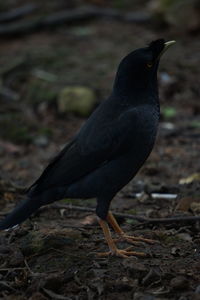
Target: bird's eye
149 64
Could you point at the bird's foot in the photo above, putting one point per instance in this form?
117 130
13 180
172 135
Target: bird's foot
134 240
122 253
123 237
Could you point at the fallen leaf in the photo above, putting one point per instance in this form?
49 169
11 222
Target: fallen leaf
184 204
89 220
8 197
191 178
195 207
10 148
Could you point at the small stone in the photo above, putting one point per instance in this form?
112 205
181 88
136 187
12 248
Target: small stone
175 251
41 141
179 283
197 290
167 125
184 236
166 79
77 100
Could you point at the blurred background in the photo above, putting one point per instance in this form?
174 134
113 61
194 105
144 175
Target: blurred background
58 60
57 63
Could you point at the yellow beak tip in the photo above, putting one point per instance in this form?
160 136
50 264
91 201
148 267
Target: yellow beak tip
169 43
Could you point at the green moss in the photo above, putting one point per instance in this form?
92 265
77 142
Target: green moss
168 239
132 211
79 100
32 243
131 221
168 112
194 124
37 242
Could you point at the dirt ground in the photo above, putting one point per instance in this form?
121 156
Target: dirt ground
53 255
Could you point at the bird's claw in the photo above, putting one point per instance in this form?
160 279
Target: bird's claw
128 240
122 253
134 240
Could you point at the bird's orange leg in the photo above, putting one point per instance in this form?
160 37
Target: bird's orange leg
123 236
114 251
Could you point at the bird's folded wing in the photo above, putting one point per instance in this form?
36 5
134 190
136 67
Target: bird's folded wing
110 138
86 153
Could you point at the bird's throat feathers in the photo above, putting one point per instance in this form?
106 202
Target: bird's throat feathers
136 88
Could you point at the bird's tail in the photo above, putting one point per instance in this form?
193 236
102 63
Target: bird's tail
20 213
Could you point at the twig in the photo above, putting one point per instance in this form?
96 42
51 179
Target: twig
54 295
27 266
70 17
178 219
11 269
9 94
17 13
5 284
30 271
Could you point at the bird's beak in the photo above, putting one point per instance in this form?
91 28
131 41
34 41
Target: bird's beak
166 46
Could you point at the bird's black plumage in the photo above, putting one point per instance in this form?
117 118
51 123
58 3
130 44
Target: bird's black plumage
111 146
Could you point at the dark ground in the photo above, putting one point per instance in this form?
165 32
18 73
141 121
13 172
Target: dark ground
53 255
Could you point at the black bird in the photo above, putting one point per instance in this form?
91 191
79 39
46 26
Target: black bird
108 150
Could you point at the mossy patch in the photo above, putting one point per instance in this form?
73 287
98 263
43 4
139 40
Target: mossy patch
38 242
167 238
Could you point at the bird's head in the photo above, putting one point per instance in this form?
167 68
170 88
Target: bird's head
138 70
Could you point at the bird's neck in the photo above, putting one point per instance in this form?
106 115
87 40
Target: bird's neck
136 88
136 94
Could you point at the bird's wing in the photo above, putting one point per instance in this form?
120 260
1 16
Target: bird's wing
109 138
86 153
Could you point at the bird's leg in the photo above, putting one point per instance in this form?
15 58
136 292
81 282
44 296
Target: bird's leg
123 236
114 251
